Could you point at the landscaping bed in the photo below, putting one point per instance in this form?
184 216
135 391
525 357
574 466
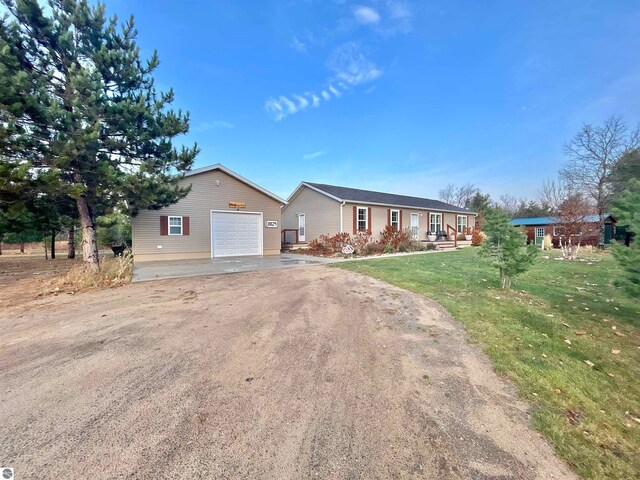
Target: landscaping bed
361 244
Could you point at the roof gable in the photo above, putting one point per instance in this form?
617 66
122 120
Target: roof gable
240 178
346 194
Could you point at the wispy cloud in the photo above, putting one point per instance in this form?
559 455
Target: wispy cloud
284 106
305 41
366 15
350 64
400 18
312 155
350 67
298 45
213 125
302 102
398 9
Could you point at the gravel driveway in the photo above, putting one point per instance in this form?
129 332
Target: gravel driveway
287 374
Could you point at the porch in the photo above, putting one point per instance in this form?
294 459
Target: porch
290 240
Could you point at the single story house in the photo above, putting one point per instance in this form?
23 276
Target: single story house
223 215
315 209
537 228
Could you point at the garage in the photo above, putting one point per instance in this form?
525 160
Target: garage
236 234
223 215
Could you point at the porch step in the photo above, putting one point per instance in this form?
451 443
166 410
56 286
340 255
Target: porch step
294 246
448 244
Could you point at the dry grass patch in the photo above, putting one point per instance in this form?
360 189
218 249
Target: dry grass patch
112 272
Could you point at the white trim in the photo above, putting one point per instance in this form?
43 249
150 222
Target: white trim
441 222
466 223
341 218
422 209
236 212
169 217
416 234
366 210
231 173
316 189
302 237
391 210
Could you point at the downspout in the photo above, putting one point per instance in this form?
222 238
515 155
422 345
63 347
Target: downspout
341 222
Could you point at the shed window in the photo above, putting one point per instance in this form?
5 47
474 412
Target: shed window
175 225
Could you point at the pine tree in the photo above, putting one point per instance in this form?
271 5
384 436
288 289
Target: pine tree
627 212
77 101
505 244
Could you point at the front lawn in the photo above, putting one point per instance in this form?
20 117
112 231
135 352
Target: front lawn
566 337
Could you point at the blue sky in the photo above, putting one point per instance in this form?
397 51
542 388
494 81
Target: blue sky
393 95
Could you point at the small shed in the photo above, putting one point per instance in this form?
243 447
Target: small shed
539 227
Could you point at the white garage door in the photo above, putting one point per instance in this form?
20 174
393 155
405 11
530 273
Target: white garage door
236 233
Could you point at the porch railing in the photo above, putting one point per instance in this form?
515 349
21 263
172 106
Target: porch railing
283 234
455 234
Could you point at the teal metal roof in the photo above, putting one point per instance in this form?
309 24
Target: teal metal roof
533 221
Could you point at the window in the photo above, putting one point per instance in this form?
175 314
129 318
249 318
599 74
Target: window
462 224
395 219
556 231
175 225
435 222
540 232
363 220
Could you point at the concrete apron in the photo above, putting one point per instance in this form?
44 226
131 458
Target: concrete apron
160 270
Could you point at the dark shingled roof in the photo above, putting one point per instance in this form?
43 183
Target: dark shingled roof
391 199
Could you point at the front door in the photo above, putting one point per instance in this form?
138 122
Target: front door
608 233
539 235
301 220
415 226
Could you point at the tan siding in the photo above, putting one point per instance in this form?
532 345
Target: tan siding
322 214
204 196
379 218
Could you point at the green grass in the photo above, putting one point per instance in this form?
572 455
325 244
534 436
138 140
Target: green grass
587 412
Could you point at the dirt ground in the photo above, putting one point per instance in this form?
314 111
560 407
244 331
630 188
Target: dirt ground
305 373
24 278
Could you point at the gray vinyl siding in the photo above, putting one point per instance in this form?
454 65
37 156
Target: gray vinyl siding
322 214
204 196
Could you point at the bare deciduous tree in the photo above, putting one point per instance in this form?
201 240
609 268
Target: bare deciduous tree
553 192
593 153
458 196
509 204
448 194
